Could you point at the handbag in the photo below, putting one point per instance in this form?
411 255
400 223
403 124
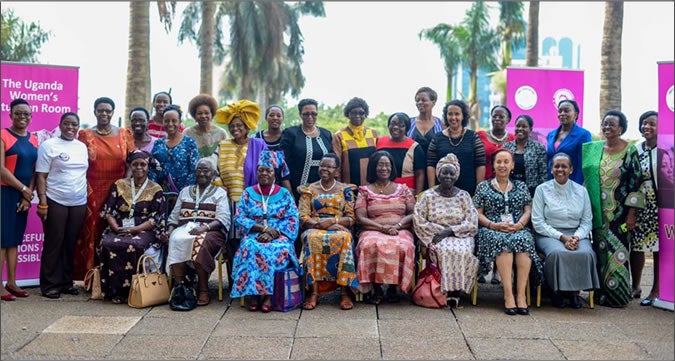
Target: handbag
287 294
183 298
148 288
92 283
427 292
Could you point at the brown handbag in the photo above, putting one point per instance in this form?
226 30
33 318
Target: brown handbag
92 283
148 288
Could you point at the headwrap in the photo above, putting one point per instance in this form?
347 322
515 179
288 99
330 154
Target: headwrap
246 110
449 160
274 159
138 154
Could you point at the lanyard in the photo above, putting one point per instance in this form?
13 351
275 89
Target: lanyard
265 201
506 194
199 199
134 195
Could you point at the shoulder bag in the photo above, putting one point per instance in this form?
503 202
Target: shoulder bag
427 292
148 288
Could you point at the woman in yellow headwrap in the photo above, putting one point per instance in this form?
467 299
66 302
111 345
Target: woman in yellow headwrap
355 143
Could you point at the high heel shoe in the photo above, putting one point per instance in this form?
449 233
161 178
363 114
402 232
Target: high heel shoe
523 311
511 311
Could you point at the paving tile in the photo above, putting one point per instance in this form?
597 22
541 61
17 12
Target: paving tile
432 328
658 350
418 347
235 312
258 328
247 348
507 327
92 325
158 347
407 311
584 331
514 349
336 348
602 350
331 327
158 326
61 345
213 310
331 310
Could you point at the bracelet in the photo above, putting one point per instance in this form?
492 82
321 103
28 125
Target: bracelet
399 225
489 226
23 189
264 229
43 206
337 220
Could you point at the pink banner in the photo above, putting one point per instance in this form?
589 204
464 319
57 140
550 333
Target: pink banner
51 91
537 92
665 185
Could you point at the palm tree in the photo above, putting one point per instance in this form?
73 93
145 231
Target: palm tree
512 29
20 41
479 44
138 84
441 35
206 15
532 49
610 57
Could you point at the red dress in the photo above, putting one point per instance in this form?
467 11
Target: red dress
490 148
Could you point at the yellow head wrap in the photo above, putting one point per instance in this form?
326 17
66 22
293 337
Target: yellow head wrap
246 110
449 160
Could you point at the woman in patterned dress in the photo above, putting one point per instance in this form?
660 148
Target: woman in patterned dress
646 232
446 223
327 215
354 143
529 155
612 176
135 213
504 209
386 248
267 220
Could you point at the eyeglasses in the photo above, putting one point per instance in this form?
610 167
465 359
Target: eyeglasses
357 113
102 111
203 171
21 114
308 114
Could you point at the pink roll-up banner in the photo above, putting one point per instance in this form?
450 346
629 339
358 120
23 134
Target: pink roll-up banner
51 90
537 92
665 185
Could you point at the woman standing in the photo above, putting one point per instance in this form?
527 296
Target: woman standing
309 143
612 176
202 108
425 124
568 138
497 135
19 153
138 119
409 158
107 147
134 213
327 214
156 125
529 155
646 232
446 223
460 141
354 143
61 172
274 116
176 153
386 248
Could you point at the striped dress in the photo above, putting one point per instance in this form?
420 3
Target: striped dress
354 145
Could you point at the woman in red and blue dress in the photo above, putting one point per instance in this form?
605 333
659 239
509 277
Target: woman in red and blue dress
19 153
409 156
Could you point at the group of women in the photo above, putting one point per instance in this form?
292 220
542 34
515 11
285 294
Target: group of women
352 203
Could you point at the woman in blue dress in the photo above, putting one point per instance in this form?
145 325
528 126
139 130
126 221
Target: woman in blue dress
19 153
568 138
267 219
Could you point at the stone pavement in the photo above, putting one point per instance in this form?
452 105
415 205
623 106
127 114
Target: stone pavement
74 327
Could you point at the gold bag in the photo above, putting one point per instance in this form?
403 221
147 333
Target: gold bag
92 283
148 288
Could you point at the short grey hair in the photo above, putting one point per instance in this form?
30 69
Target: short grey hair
209 161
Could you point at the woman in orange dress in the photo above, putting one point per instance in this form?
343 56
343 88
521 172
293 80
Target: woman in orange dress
108 147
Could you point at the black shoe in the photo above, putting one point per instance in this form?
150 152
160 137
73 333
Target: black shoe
53 294
523 311
575 302
71 291
495 281
511 311
646 302
558 301
481 279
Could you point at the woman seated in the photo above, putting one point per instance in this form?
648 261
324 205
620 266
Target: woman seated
135 213
267 220
386 248
562 219
197 227
503 212
327 215
446 223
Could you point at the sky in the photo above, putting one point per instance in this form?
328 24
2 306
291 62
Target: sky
365 49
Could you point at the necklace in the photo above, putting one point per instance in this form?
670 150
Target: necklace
381 189
103 132
329 188
499 186
460 140
499 140
265 201
310 133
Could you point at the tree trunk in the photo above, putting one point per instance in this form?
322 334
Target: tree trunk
206 35
610 58
448 86
474 109
532 50
138 63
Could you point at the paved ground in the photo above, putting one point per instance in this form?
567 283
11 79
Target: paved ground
74 327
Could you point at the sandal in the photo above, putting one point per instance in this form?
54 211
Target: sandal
117 300
311 302
253 304
204 298
346 302
53 294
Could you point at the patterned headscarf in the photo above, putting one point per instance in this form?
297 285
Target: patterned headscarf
449 160
246 110
274 159
138 154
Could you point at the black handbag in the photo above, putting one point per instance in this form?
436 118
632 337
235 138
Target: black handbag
183 298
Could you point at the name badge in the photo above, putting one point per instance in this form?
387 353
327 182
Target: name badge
507 218
128 223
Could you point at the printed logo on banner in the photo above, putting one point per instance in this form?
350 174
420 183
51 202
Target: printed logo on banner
526 97
560 95
669 98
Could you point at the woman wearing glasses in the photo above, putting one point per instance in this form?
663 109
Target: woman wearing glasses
355 143
308 143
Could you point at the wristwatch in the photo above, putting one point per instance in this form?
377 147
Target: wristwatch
399 225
